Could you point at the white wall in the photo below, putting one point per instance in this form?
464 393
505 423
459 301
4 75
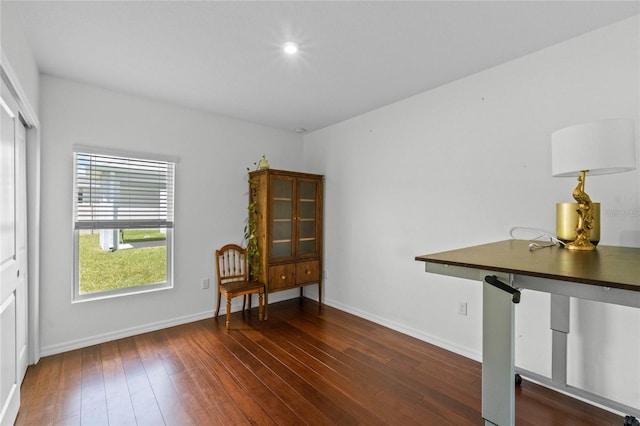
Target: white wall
211 198
16 48
462 164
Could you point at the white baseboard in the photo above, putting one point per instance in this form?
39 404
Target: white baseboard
120 334
444 344
159 325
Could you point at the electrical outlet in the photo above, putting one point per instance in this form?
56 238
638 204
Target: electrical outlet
204 284
462 308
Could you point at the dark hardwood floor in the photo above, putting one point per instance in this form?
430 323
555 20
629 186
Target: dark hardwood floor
299 367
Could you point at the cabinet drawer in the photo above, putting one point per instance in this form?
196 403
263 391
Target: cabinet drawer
308 272
281 277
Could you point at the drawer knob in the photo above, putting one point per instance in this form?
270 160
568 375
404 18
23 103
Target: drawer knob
308 272
283 277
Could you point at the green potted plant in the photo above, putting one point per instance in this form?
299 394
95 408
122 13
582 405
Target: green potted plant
253 251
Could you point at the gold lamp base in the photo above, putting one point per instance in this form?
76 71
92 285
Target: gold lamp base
585 217
567 222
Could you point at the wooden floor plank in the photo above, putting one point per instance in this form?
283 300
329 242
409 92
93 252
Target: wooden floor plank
68 398
168 400
145 406
304 366
94 398
119 407
39 392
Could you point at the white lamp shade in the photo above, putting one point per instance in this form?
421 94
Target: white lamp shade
599 147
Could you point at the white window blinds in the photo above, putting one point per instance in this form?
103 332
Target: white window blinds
121 192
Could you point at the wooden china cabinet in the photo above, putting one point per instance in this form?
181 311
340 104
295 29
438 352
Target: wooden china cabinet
288 228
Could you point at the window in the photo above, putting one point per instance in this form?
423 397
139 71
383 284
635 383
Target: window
123 223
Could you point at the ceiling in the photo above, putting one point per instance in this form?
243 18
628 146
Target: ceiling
355 56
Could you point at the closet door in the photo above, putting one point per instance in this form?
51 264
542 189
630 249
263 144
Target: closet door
13 283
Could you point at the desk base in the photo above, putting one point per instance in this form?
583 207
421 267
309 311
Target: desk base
560 292
583 395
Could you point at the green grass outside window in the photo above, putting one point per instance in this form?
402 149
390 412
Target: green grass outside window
106 270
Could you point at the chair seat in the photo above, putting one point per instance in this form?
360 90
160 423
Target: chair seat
239 287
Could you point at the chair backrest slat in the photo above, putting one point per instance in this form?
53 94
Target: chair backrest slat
231 261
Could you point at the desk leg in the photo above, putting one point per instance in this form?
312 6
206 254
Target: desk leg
498 368
560 330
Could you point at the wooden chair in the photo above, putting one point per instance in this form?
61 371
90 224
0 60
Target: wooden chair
233 279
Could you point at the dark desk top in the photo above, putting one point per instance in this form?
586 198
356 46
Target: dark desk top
608 266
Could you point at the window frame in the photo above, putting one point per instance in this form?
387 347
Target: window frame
135 289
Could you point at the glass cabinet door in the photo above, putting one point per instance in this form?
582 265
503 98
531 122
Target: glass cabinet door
282 214
307 218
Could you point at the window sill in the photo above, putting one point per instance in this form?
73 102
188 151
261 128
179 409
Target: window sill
110 294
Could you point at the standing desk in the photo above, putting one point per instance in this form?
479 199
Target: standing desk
607 274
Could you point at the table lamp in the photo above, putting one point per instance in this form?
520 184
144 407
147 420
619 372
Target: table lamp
597 148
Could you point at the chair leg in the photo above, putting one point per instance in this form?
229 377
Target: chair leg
244 303
260 307
228 312
218 307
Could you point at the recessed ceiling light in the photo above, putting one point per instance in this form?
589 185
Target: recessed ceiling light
301 130
290 48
